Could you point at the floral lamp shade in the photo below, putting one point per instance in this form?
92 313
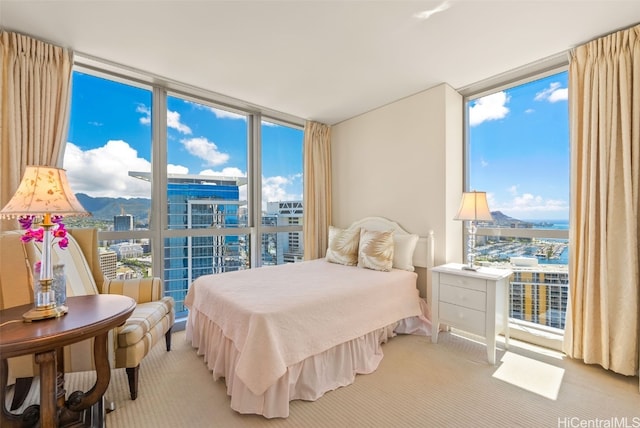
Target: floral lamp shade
42 192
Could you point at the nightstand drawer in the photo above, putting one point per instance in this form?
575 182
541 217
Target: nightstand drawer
463 281
472 299
463 318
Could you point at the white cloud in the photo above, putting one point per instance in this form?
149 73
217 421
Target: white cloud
205 150
529 206
103 171
491 107
553 93
220 114
177 169
229 171
275 189
224 114
173 121
146 114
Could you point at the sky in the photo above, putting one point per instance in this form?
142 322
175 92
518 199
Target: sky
519 149
518 145
110 134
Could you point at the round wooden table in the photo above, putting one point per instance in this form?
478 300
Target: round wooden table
88 316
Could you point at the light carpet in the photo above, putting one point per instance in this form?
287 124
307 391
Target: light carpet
418 384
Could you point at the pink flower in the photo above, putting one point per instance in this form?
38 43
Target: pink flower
59 231
26 221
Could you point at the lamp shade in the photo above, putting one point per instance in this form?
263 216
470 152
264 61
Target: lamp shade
474 207
43 190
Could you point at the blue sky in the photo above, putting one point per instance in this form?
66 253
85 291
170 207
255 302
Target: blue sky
110 134
519 149
519 145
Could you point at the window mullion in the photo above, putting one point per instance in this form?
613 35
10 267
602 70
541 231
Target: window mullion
158 214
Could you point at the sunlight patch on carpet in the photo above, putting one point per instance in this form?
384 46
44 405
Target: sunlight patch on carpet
529 374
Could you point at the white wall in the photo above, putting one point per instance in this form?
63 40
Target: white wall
404 161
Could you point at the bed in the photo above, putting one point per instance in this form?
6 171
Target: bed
296 331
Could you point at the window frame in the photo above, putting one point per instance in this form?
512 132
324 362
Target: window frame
523 330
162 88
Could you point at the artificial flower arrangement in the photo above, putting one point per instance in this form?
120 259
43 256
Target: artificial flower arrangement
58 229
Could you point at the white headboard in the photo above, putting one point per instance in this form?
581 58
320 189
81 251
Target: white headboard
422 256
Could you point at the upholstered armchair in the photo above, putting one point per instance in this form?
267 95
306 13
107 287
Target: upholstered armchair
152 319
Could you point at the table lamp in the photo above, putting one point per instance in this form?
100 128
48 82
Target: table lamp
473 207
42 192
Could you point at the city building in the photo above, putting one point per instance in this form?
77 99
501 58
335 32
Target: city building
108 263
539 295
289 247
123 222
200 202
538 292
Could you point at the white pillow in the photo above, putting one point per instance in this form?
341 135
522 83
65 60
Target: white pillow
343 246
375 250
404 248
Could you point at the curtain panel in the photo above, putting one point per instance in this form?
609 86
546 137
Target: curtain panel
317 189
35 89
604 106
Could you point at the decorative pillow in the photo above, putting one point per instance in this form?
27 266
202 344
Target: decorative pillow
404 246
376 250
343 246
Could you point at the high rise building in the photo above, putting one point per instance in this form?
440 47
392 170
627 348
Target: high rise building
201 202
289 246
539 294
108 263
122 222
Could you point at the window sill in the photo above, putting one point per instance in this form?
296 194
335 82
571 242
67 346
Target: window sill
537 335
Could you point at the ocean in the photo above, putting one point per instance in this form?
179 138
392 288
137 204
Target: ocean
563 259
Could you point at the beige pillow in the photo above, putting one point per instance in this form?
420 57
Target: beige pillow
343 246
403 249
376 250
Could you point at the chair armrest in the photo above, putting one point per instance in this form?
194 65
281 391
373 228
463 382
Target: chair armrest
142 290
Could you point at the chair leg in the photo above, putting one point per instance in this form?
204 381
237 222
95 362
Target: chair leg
21 391
167 339
132 375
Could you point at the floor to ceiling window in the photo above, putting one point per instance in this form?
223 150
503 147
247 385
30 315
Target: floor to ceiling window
180 185
517 151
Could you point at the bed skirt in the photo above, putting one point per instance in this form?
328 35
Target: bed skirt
306 380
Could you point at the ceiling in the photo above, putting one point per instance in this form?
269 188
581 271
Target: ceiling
319 60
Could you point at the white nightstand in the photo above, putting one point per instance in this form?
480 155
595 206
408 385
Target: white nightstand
472 301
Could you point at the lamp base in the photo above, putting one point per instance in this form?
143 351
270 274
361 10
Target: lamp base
43 313
473 268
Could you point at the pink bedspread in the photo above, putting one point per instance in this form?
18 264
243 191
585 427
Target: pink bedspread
278 316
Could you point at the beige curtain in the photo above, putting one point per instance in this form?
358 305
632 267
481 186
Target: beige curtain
604 107
35 83
317 189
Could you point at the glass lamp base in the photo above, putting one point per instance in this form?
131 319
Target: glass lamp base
43 313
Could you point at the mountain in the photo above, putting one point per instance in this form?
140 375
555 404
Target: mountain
107 208
503 220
